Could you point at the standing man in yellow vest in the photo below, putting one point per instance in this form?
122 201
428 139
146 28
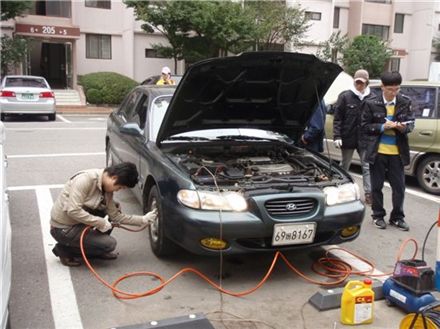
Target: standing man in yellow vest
386 122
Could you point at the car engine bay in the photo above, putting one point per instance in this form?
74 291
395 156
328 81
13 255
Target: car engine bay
254 166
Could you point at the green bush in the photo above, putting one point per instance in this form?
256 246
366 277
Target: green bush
106 87
94 96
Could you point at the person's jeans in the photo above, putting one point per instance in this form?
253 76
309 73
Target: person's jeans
391 167
96 243
347 156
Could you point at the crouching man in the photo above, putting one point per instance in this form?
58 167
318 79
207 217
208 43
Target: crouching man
87 200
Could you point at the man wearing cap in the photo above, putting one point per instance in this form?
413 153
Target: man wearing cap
165 78
347 124
386 122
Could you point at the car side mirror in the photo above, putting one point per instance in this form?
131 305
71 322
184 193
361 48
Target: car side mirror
131 128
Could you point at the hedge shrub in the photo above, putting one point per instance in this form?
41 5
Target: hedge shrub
106 87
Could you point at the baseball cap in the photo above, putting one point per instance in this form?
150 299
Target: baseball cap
166 70
361 75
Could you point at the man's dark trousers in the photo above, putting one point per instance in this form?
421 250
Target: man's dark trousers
391 167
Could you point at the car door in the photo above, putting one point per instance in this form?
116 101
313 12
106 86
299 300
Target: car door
118 141
424 100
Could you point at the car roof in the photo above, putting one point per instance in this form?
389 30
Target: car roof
24 76
156 90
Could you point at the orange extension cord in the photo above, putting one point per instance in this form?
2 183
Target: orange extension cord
326 266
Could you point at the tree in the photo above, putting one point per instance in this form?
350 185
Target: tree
277 23
366 52
13 49
332 49
11 9
195 29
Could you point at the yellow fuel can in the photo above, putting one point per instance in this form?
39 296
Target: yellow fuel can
357 302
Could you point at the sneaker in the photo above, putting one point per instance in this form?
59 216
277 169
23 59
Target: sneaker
108 256
368 199
380 223
400 224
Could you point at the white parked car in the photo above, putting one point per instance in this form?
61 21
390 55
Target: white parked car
5 237
26 94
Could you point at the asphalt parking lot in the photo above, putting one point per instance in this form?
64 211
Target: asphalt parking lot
42 155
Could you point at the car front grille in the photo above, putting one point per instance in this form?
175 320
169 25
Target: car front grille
291 206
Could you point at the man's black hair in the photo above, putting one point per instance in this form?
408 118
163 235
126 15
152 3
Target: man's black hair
391 78
126 172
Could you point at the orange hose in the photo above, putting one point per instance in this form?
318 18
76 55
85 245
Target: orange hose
333 268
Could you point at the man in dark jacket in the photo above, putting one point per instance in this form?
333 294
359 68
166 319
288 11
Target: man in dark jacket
347 126
313 137
386 122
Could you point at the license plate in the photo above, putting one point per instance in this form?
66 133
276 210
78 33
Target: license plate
286 234
27 96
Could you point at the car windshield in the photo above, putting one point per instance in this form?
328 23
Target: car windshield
160 106
25 82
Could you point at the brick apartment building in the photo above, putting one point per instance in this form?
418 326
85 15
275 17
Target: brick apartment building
81 36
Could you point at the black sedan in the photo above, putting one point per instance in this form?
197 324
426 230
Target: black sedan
217 157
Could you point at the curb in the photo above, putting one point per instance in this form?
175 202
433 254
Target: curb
83 109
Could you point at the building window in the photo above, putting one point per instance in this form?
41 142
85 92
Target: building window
398 23
381 31
51 8
395 64
336 17
313 15
152 53
98 46
103 4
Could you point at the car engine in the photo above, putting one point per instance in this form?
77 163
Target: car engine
253 167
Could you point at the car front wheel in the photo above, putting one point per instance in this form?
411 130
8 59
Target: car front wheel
160 244
52 117
428 174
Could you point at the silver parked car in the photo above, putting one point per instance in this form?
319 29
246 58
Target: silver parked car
26 94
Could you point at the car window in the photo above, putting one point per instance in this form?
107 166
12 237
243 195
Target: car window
141 112
25 82
127 109
422 98
158 110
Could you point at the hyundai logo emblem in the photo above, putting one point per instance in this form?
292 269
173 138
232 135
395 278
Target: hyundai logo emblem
290 206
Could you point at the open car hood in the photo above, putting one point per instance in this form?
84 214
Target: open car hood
275 91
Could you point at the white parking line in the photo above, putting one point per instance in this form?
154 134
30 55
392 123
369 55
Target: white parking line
17 156
62 118
54 128
410 191
62 294
33 187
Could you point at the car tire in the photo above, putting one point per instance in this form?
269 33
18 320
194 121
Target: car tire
2 117
52 117
160 244
428 174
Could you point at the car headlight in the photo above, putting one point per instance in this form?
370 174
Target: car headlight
208 200
341 194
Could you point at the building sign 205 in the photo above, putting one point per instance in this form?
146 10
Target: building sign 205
47 31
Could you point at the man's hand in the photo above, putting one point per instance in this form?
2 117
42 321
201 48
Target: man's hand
338 143
149 217
389 124
401 127
303 140
105 225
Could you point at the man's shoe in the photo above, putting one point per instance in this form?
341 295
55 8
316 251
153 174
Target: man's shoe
108 256
368 199
380 223
69 261
65 260
400 224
